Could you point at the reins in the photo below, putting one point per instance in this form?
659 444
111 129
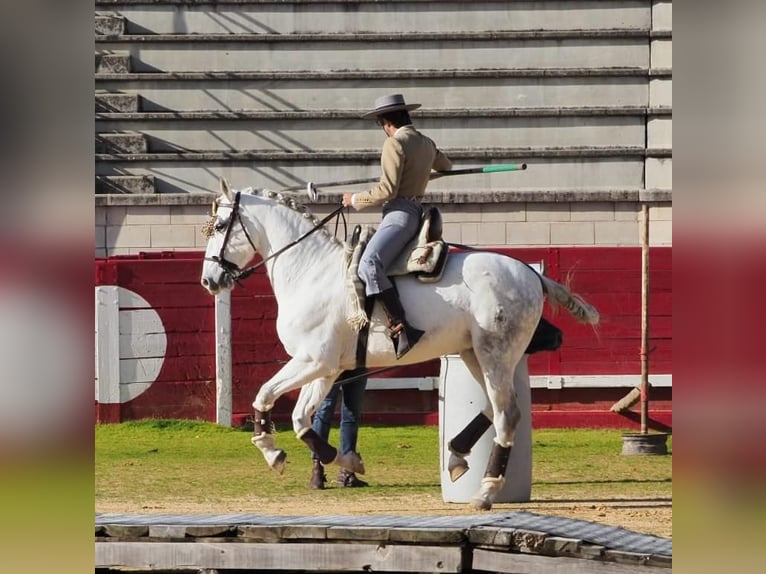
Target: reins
366 374
247 271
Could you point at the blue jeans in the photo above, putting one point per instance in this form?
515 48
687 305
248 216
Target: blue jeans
350 413
400 223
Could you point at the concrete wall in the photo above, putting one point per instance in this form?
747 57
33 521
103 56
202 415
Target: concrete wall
130 229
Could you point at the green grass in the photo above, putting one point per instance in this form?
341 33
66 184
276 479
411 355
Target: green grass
157 462
588 463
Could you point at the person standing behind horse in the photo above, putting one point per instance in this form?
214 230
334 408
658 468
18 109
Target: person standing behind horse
352 398
406 163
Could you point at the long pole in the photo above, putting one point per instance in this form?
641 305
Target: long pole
434 175
644 317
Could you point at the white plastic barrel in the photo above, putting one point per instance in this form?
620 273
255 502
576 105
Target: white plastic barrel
460 400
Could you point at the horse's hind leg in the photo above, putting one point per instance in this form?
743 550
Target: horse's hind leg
293 375
308 401
499 367
462 443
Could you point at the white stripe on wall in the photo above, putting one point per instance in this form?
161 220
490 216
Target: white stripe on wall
536 382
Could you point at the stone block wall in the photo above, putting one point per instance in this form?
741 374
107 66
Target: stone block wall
134 228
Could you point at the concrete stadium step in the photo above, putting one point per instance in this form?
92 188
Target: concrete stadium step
340 114
419 36
110 24
125 184
291 17
115 102
367 155
131 142
552 48
588 168
113 62
303 131
269 92
434 88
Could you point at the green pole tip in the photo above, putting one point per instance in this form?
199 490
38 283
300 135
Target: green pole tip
504 167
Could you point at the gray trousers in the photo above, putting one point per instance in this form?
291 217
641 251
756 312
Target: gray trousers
401 221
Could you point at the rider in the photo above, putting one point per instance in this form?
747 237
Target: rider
406 163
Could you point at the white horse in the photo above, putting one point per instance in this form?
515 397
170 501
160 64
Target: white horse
485 308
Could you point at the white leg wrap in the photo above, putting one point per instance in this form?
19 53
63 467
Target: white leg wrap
275 457
264 441
490 486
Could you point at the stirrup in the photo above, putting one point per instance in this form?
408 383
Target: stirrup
394 330
404 337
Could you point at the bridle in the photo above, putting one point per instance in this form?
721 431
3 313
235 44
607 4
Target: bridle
232 269
229 268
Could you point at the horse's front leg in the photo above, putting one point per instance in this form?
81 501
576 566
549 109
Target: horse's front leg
295 374
309 400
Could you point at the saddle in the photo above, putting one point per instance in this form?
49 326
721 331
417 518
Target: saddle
426 254
425 257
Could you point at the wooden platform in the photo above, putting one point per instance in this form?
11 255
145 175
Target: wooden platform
512 542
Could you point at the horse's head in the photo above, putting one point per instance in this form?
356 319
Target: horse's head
229 246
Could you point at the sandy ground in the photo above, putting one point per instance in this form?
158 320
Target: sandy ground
646 516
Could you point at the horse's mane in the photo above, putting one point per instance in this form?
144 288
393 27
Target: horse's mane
301 209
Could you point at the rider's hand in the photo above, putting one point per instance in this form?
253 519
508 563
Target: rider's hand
347 199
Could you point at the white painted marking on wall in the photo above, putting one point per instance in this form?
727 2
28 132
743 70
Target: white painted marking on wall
107 345
537 382
130 344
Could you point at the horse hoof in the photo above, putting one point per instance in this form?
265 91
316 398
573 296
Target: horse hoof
481 503
277 461
457 466
351 462
457 472
356 465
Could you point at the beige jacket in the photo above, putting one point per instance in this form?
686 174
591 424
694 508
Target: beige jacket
406 163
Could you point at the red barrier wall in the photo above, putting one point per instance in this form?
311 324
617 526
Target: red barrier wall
608 277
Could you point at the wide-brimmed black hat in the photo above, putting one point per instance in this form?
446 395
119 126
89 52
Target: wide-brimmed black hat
391 103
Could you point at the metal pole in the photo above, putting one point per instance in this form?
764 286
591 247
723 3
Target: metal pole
495 168
644 317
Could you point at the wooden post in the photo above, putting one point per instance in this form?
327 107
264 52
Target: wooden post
107 346
643 442
223 392
644 317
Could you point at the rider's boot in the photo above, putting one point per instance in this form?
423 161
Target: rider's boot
318 477
402 333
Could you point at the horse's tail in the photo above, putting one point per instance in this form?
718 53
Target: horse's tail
558 294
